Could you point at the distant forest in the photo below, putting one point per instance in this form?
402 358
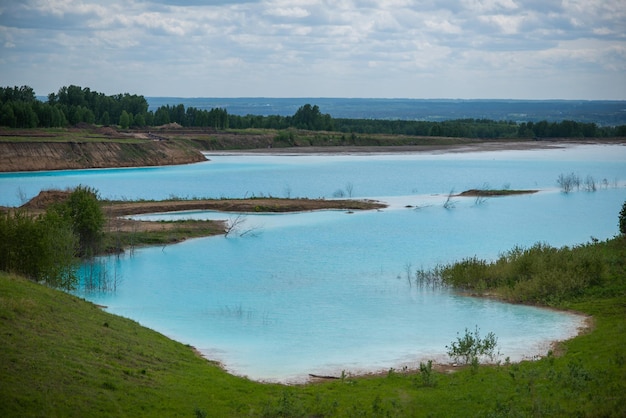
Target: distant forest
74 105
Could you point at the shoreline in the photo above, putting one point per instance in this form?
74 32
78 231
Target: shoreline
585 323
479 146
38 156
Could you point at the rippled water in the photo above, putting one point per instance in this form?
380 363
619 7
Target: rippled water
330 291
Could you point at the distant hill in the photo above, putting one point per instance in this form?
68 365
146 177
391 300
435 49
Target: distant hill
603 113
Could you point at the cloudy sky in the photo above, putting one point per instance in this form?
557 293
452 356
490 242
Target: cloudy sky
519 49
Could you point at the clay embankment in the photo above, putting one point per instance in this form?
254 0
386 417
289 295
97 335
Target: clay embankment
41 155
252 205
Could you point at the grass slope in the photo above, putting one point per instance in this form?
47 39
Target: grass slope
62 356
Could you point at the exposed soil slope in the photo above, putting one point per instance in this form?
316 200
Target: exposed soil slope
89 146
40 155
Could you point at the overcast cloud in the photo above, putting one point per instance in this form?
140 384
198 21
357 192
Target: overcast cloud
520 49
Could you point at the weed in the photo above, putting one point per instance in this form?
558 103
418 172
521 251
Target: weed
471 347
578 376
200 413
287 405
426 374
109 386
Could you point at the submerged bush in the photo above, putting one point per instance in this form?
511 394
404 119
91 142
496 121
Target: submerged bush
567 182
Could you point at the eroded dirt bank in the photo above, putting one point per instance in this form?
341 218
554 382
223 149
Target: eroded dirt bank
40 155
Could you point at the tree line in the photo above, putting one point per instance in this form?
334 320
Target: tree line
72 105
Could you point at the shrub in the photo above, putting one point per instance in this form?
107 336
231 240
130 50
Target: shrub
539 274
41 248
83 210
468 273
471 347
426 373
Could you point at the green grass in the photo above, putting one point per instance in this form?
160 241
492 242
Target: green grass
72 138
63 135
62 356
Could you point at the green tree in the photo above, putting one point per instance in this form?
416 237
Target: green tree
59 246
17 94
7 116
139 121
309 117
83 210
124 120
105 119
161 116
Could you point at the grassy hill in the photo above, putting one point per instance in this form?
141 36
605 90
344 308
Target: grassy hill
63 356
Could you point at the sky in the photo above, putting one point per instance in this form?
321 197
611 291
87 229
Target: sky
467 49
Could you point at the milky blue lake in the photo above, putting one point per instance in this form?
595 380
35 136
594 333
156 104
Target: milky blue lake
324 292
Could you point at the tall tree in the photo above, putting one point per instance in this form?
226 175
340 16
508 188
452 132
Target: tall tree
82 209
124 120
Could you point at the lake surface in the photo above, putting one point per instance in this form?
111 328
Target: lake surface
328 291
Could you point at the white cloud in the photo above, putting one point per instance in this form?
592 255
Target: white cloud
443 26
289 12
396 48
507 24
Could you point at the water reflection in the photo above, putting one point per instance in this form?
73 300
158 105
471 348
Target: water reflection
100 275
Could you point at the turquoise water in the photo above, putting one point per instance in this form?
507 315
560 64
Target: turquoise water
327 291
322 176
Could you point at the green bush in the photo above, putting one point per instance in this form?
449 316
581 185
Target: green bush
45 247
82 209
41 248
471 347
426 374
539 274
